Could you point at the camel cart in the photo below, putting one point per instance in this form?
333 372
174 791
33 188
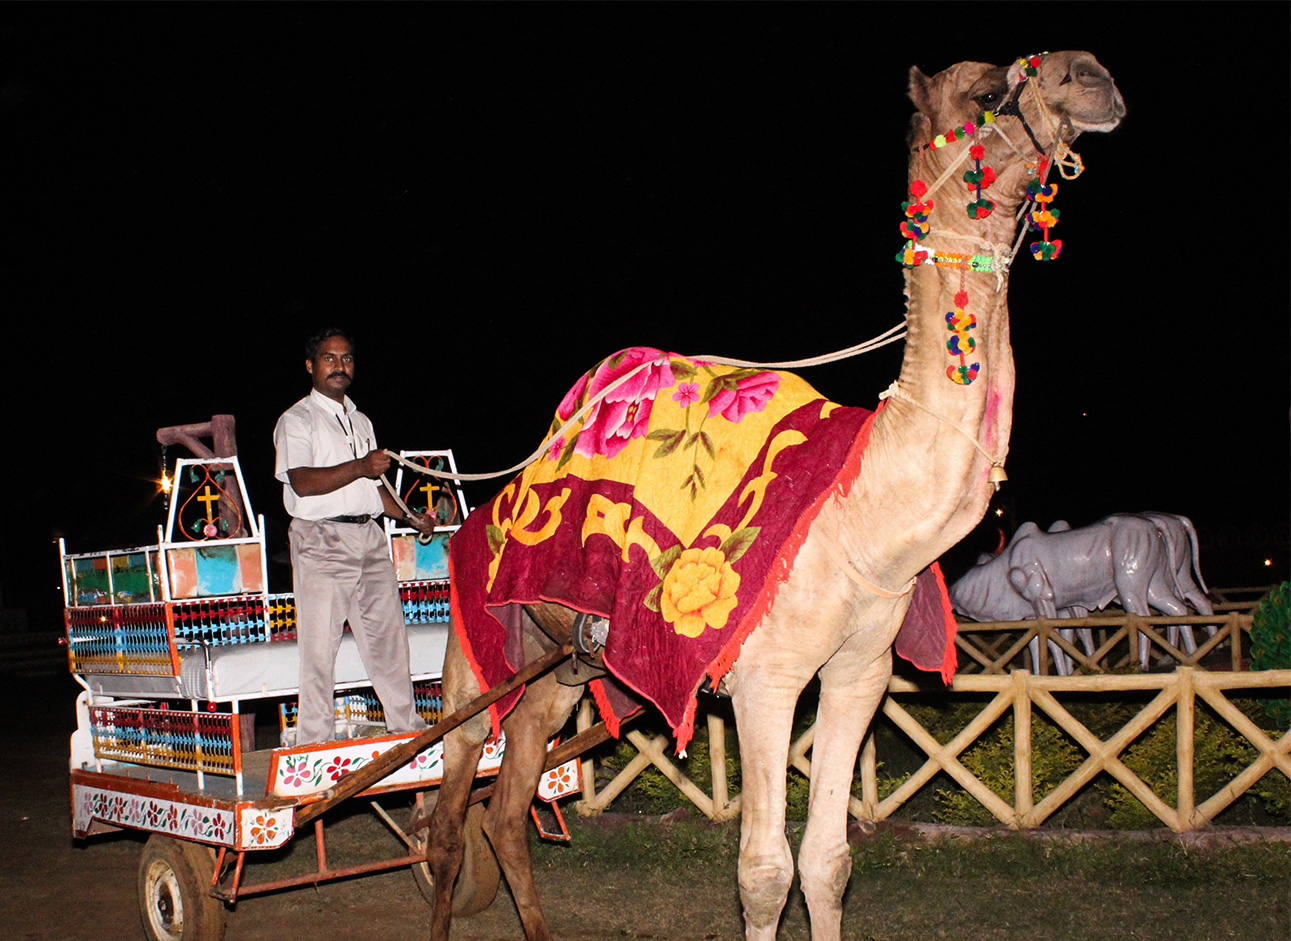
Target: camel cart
171 640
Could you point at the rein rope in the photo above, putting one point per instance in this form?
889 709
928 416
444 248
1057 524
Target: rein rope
891 335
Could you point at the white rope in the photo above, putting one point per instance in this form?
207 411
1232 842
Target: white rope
895 392
964 154
890 335
851 571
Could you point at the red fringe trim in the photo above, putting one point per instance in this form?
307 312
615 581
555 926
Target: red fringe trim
608 716
463 638
781 566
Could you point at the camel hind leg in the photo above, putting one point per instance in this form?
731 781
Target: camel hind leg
541 712
479 876
445 835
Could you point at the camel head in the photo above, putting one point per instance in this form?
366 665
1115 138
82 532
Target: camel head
1057 94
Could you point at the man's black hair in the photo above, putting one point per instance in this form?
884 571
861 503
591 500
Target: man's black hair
318 339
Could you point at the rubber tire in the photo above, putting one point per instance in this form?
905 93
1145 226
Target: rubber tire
480 875
174 891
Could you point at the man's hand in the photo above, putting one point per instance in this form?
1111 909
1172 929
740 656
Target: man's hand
374 463
422 523
315 481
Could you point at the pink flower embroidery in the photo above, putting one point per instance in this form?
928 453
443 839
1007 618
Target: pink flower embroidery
624 413
686 393
750 394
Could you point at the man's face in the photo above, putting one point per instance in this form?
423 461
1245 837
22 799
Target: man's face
332 368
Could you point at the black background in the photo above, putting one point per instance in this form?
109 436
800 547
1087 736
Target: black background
493 197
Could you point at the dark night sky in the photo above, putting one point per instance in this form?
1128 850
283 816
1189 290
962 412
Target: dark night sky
493 197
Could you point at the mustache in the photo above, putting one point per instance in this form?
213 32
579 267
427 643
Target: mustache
339 374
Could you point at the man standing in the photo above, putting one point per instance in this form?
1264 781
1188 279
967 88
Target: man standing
329 463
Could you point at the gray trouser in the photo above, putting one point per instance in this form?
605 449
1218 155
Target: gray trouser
342 572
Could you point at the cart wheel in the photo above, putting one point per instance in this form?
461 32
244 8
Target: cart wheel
175 892
477 882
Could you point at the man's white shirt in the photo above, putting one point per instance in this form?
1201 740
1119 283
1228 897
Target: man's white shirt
320 432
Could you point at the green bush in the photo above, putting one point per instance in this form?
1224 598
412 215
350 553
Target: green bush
991 761
1271 645
1220 754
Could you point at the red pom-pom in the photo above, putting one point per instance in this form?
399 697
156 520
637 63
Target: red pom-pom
961 299
977 151
918 188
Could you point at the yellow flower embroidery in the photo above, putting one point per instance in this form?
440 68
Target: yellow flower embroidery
699 592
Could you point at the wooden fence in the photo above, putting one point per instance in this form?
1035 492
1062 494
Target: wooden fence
1020 693
1000 646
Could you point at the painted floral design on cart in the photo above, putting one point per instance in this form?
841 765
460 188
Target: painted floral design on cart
431 761
264 830
295 772
340 765
494 749
558 782
213 825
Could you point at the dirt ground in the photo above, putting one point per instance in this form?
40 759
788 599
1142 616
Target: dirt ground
56 889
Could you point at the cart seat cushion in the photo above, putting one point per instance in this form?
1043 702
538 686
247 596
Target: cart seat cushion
266 670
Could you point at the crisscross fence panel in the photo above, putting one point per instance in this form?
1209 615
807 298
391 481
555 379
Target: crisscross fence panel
1017 694
1001 646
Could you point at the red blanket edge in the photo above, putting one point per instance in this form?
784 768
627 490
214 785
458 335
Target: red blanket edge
495 714
459 628
950 658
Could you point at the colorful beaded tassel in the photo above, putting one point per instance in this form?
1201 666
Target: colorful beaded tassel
1044 217
961 344
915 225
979 179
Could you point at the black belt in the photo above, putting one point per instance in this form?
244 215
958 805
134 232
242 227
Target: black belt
350 519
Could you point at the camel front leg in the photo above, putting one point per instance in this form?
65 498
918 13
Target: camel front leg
764 724
848 701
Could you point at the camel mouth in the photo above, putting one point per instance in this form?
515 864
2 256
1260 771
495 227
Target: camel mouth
1105 125
1102 116
1090 100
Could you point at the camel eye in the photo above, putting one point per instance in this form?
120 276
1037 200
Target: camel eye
989 99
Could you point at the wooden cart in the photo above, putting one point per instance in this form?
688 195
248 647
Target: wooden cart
171 641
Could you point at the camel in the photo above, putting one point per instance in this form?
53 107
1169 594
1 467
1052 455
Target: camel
932 462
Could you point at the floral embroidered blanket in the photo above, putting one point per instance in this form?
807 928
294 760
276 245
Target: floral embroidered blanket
675 509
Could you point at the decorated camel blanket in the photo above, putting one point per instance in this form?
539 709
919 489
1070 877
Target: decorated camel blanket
675 509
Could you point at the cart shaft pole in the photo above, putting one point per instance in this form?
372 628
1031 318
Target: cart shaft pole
380 767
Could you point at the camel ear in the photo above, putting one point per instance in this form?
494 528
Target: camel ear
919 91
1013 75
